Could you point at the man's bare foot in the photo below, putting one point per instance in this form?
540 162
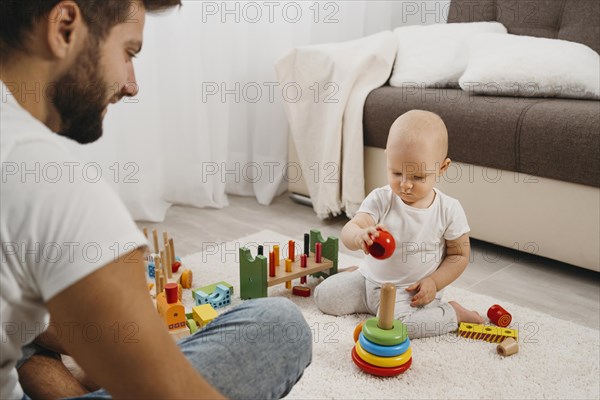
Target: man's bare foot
464 315
348 269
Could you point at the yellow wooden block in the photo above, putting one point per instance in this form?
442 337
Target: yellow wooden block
494 334
204 314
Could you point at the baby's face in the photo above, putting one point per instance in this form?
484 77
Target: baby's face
413 169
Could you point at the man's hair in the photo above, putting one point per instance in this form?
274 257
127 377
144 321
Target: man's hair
17 17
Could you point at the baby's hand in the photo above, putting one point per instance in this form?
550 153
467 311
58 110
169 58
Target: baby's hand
365 237
426 291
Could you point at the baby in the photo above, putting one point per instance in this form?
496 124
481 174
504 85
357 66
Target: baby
430 230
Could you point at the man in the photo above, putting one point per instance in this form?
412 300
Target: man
62 63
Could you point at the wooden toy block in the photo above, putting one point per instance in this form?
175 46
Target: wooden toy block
217 295
499 316
192 326
492 334
204 314
151 270
186 279
276 251
508 347
172 313
255 277
301 291
288 268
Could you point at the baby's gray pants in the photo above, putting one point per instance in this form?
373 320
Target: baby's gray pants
350 293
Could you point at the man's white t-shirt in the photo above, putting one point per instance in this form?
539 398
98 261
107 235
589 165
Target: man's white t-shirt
57 226
420 235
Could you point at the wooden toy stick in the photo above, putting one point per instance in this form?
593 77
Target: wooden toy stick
163 263
172 250
260 250
162 283
156 271
318 252
307 244
145 230
271 263
386 308
288 268
155 240
303 259
169 260
165 237
292 250
276 252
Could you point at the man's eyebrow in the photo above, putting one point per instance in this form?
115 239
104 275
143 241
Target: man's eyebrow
135 43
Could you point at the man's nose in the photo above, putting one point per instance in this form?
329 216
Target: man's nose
130 88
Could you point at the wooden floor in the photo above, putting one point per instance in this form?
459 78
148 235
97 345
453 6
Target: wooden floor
555 288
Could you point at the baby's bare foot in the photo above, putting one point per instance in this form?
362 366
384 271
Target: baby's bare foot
348 269
464 315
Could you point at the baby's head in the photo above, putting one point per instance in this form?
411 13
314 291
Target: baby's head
416 150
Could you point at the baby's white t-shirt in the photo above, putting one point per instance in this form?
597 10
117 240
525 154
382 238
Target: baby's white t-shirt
58 224
420 235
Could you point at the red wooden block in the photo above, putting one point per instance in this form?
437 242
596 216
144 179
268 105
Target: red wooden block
301 291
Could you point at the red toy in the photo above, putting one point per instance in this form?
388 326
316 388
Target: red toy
383 246
499 316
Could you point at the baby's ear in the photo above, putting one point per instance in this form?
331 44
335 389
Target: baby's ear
445 164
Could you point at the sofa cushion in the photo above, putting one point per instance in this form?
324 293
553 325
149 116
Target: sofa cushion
553 138
577 21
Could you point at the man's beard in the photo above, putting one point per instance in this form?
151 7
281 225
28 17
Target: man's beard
80 97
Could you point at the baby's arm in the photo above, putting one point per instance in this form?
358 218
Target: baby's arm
455 262
453 265
357 233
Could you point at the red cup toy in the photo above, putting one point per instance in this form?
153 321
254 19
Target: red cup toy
499 316
383 246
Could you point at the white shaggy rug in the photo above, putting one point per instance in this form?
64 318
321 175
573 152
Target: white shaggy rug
557 359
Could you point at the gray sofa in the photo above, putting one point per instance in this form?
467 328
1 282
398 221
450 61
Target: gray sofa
527 170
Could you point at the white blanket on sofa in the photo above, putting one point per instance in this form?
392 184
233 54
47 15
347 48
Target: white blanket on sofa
325 88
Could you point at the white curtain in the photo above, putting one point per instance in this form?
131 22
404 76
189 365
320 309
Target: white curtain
209 118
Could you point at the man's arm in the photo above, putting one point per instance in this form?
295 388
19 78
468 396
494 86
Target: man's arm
109 325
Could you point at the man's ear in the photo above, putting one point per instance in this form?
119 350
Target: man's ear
444 167
65 28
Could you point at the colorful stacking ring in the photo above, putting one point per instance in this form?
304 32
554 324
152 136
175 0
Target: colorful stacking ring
358 330
372 369
384 337
383 351
384 362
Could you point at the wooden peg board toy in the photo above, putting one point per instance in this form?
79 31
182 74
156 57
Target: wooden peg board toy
492 334
256 276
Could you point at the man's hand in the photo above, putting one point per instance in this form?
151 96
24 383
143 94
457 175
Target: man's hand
111 328
426 291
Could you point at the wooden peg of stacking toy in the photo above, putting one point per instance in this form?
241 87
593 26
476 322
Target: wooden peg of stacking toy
382 345
176 263
383 246
155 241
276 254
288 268
499 316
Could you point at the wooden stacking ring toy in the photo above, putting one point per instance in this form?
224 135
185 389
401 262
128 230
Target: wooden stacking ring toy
381 345
386 362
384 337
383 351
358 330
372 369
